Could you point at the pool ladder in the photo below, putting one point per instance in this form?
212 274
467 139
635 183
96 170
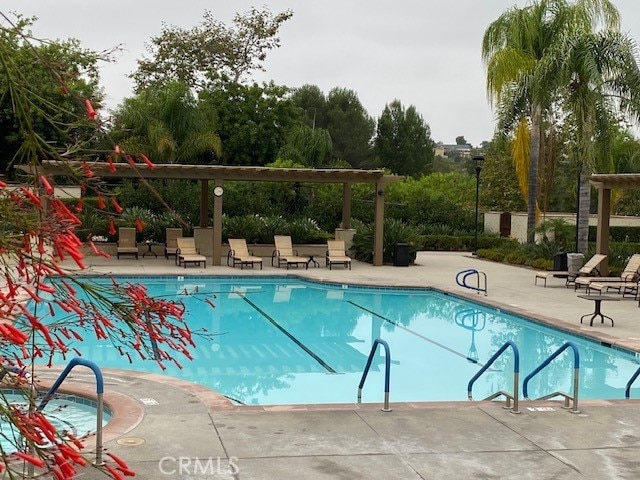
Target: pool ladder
627 391
516 368
510 397
387 372
481 280
99 401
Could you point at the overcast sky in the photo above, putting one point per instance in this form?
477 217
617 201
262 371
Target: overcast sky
422 52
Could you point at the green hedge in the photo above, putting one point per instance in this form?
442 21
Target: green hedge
618 234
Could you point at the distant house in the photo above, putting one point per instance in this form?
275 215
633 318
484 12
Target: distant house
447 150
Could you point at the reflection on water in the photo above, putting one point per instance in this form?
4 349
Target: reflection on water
282 341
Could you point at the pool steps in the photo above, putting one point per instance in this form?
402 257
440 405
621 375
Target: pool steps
512 399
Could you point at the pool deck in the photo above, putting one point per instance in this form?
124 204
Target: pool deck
177 430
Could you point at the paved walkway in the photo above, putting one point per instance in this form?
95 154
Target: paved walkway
183 431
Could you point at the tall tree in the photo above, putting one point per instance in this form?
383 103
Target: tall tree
167 123
199 55
26 121
252 120
403 141
313 105
516 50
350 126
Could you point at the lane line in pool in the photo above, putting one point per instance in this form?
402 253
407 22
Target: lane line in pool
448 349
288 334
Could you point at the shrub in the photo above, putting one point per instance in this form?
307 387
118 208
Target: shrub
394 232
246 226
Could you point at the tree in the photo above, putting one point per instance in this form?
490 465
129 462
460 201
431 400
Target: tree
169 124
600 80
461 140
200 55
516 49
350 127
252 120
76 71
41 316
306 146
313 106
403 141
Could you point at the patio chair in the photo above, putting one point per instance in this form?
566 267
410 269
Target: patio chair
625 288
127 242
336 253
284 253
628 275
239 254
587 269
171 244
188 253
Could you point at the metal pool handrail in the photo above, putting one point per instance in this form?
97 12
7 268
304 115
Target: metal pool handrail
387 372
516 375
99 401
576 377
627 391
461 279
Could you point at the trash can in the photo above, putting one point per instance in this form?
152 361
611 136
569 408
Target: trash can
560 262
401 255
575 261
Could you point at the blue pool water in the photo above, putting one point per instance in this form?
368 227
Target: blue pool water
66 412
288 341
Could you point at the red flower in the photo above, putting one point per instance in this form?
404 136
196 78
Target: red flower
90 111
149 163
116 206
47 186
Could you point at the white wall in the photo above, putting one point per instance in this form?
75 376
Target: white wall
519 222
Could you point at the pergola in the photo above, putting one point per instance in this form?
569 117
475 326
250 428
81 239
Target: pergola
604 183
217 175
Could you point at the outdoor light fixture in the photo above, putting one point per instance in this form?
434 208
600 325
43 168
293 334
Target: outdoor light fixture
381 193
218 191
478 161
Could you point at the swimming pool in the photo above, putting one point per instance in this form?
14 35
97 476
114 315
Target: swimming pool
77 415
289 341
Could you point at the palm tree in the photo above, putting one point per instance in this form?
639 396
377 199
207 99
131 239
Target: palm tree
167 124
516 49
600 80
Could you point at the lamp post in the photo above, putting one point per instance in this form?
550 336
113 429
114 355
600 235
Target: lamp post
478 161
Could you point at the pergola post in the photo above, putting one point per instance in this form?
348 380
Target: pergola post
204 203
602 230
346 206
378 226
217 225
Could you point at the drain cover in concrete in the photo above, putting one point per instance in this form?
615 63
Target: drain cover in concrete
130 441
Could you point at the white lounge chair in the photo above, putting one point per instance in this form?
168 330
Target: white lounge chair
284 253
188 253
592 265
171 244
239 254
336 254
127 242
